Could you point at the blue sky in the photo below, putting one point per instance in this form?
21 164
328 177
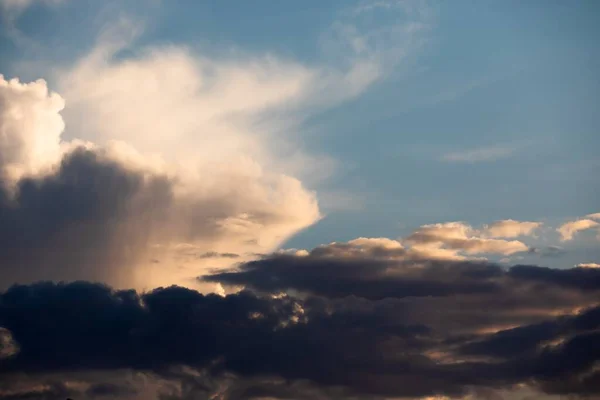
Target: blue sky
486 113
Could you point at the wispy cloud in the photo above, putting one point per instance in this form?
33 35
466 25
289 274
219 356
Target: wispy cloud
480 154
569 229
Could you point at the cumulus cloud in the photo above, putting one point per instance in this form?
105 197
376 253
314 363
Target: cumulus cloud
509 228
168 157
101 211
569 229
30 128
448 239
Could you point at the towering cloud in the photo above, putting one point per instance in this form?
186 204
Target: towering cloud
75 210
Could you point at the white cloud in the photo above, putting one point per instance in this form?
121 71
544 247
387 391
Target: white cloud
480 154
221 129
222 203
509 228
588 265
453 239
569 229
180 103
30 128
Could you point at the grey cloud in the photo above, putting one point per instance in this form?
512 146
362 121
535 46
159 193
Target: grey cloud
247 346
86 221
379 272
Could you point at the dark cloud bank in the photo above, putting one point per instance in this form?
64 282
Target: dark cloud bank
357 328
356 323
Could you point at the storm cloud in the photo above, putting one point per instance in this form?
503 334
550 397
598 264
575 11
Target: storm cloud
76 210
258 345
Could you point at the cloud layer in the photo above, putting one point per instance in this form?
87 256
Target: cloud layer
426 329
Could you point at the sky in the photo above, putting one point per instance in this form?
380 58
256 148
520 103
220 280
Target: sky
378 199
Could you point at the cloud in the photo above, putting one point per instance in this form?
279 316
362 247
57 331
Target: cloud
15 7
31 127
382 268
509 228
102 212
588 265
569 229
11 10
453 237
188 105
167 155
480 154
246 345
8 346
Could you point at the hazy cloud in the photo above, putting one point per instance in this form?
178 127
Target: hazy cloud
480 154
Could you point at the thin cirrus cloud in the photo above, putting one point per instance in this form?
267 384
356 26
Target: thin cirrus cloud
480 154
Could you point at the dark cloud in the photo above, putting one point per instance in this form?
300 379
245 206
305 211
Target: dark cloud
578 278
527 339
87 220
214 254
365 277
377 277
248 346
107 389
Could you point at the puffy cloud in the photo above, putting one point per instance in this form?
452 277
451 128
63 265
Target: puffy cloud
569 229
168 158
30 128
74 210
454 237
509 228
